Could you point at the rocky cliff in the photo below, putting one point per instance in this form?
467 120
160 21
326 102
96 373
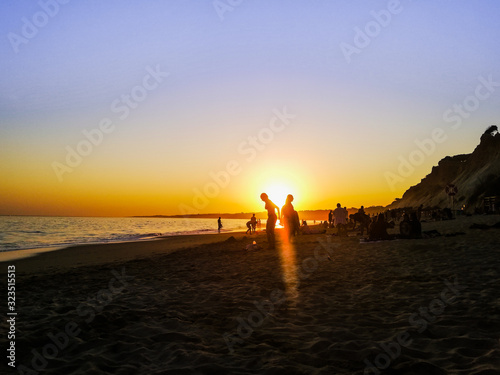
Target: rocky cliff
476 175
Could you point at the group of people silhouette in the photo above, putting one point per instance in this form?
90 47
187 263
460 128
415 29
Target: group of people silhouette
288 217
251 225
376 228
410 226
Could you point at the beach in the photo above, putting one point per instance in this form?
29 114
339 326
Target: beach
143 143
320 305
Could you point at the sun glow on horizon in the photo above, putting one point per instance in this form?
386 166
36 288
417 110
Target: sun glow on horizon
278 180
277 192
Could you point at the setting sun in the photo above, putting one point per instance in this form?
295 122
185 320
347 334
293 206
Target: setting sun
277 181
278 192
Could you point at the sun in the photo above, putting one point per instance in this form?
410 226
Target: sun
277 182
277 192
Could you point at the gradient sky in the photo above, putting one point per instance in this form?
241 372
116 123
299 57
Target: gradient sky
229 72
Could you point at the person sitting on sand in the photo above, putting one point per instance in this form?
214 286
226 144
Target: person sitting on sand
289 217
307 230
415 226
405 227
271 219
378 229
419 212
363 219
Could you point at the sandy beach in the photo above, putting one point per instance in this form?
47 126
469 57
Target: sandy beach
321 305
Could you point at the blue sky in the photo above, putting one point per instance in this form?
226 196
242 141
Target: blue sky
354 119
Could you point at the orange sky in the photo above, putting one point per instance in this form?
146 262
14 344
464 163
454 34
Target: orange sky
168 109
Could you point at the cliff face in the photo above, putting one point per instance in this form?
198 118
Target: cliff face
476 175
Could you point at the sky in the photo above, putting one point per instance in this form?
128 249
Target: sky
122 108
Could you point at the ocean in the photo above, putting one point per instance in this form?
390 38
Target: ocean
34 232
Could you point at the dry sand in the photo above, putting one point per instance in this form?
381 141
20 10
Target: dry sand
323 305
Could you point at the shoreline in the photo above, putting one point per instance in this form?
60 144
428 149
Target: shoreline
71 256
17 254
39 234
43 259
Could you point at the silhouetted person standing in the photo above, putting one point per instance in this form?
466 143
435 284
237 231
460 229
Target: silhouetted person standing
219 224
340 218
271 219
364 220
253 220
339 215
290 218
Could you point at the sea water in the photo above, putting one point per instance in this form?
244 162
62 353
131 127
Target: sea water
34 232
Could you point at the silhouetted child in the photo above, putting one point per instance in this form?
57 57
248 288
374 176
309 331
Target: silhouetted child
219 224
249 226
